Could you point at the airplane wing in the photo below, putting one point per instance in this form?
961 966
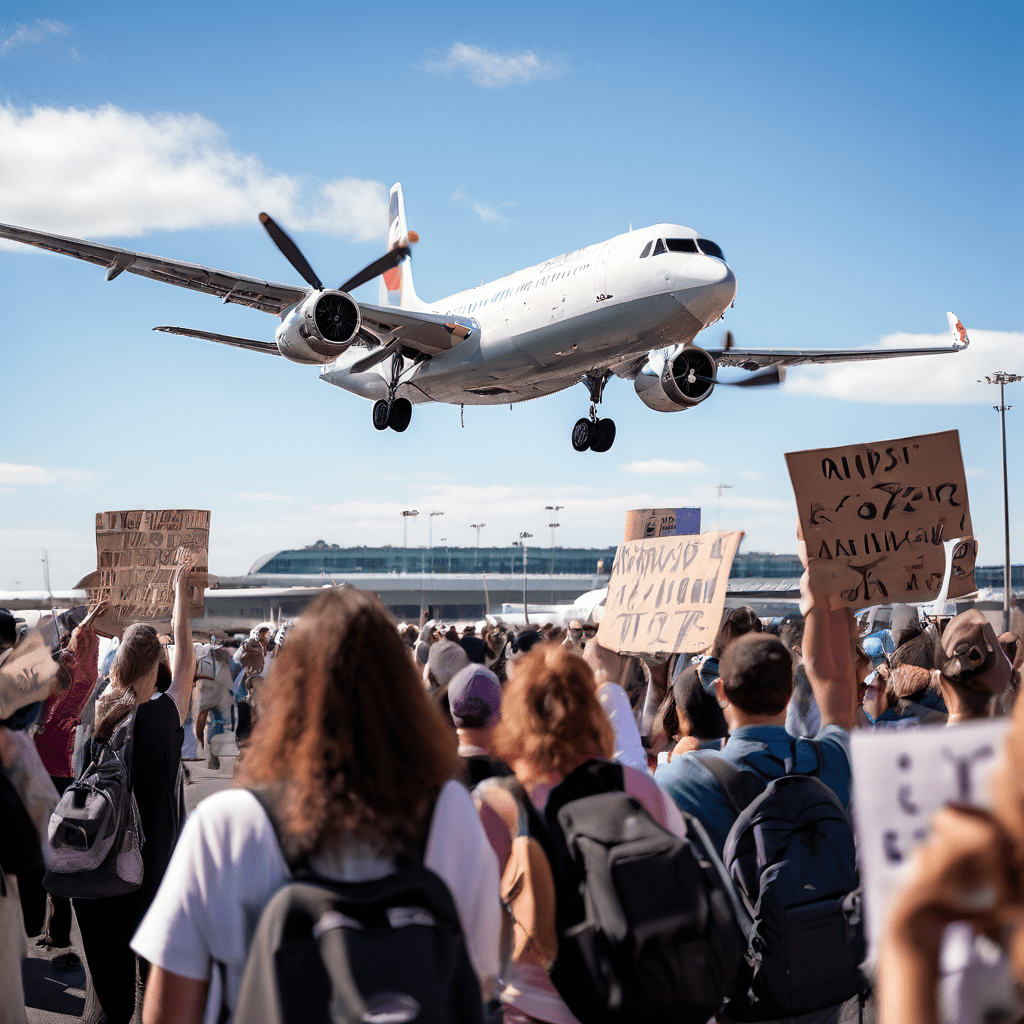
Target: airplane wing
244 291
756 359
267 347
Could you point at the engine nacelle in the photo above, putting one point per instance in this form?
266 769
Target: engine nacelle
319 328
671 382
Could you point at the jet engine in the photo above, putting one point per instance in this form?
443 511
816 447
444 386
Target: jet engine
319 328
677 379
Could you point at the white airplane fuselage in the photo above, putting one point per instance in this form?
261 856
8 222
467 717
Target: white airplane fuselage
539 329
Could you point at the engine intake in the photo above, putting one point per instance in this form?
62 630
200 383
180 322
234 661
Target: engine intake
679 380
320 328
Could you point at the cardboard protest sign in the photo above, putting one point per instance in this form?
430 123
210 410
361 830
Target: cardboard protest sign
667 594
661 522
879 515
137 554
901 778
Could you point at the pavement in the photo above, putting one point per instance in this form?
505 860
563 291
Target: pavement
59 996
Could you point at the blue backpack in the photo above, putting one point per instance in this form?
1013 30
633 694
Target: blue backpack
792 856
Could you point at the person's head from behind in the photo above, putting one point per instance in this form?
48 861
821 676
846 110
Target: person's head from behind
973 667
738 622
346 731
755 678
551 720
698 713
139 669
474 701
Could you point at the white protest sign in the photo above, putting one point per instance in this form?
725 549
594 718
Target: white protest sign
666 594
901 778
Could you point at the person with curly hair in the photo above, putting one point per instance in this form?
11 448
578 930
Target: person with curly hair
360 769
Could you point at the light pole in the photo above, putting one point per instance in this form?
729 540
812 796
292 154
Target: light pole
719 488
430 537
447 551
523 537
554 510
478 527
1002 379
405 525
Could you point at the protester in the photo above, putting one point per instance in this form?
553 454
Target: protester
141 669
359 767
213 698
428 636
737 622
55 740
972 670
551 724
688 719
474 699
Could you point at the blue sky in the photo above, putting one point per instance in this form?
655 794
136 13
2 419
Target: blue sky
861 166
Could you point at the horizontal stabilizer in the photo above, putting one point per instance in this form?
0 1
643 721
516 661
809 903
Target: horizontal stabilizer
267 347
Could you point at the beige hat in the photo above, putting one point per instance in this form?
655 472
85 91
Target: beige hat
970 654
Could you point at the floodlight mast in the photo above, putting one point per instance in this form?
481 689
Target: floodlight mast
1002 379
405 525
554 510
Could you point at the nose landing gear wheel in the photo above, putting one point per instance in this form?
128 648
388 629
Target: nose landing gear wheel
400 414
381 414
602 435
581 434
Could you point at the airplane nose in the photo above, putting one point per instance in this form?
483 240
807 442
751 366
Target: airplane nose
705 286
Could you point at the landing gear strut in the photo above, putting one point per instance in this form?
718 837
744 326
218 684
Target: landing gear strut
596 434
395 413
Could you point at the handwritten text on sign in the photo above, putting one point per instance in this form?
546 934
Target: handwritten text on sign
667 594
137 554
902 777
881 513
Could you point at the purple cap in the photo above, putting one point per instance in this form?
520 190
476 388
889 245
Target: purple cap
474 696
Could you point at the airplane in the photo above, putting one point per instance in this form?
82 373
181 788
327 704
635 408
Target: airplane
629 307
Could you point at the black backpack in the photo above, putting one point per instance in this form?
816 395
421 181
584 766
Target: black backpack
647 922
792 855
380 952
95 833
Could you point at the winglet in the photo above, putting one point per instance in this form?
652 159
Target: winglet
959 331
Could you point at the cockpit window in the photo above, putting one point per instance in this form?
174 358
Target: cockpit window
682 245
710 249
647 250
659 247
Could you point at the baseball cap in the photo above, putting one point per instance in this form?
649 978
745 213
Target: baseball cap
474 697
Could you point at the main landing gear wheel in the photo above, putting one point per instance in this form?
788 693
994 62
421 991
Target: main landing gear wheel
602 435
400 414
381 414
581 434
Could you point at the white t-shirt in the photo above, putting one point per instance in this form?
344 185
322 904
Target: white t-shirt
227 865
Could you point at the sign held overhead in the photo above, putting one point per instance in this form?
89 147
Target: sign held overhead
880 513
667 594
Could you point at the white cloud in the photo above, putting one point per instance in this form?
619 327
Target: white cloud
492 70
664 466
265 497
34 33
17 475
750 474
491 214
920 380
107 171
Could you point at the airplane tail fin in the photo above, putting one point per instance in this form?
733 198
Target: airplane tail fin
958 330
396 287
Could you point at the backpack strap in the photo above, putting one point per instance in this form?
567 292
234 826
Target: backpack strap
741 788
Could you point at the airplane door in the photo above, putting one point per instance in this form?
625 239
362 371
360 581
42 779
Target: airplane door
601 273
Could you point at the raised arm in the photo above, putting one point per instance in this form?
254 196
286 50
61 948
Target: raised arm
828 646
183 666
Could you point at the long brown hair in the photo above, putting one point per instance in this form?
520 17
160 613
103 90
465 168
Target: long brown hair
346 734
551 719
140 649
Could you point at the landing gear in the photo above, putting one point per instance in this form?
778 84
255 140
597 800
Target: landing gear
395 413
596 434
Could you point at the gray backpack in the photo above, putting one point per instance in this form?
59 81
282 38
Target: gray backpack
95 834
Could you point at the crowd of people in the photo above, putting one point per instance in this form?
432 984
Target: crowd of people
370 750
